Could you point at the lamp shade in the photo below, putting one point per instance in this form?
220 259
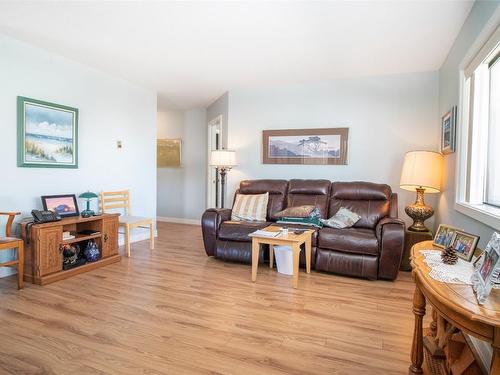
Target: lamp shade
88 195
223 158
422 169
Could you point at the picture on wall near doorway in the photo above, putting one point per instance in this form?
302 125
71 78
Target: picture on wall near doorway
448 126
306 146
47 134
168 153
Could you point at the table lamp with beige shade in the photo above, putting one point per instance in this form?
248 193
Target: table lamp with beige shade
422 171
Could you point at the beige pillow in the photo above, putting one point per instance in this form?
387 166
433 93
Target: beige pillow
250 207
296 211
344 218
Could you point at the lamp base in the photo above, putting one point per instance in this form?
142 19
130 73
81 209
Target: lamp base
419 212
87 213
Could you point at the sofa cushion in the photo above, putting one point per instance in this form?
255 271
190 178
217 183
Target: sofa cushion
360 190
239 230
369 200
314 192
349 240
277 190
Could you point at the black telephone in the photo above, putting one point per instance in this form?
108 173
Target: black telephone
44 216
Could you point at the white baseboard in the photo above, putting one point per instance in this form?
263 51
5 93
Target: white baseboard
178 220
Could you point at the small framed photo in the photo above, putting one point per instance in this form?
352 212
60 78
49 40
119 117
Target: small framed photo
444 236
464 244
448 125
65 205
487 270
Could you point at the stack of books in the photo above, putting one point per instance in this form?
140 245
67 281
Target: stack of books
67 236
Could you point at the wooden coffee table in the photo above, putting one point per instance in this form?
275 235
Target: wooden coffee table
292 240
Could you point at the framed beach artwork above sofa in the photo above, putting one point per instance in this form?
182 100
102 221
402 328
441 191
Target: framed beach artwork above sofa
47 134
327 146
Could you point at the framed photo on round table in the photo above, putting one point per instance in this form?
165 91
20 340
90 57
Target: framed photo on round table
487 270
464 244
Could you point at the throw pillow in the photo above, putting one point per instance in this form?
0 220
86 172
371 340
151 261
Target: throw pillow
250 207
344 218
297 211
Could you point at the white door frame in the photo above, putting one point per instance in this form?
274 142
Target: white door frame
215 123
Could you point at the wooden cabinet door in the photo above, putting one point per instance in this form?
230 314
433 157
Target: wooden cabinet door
109 236
51 259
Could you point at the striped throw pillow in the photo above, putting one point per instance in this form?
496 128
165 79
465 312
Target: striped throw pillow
250 207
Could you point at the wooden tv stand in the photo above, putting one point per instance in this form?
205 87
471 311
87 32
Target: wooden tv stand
43 262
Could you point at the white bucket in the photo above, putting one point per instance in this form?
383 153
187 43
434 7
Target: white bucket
284 259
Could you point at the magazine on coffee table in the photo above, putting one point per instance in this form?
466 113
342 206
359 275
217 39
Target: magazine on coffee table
264 233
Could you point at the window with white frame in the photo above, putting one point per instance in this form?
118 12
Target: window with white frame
479 151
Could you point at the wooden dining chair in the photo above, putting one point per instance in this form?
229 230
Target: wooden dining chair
120 200
9 242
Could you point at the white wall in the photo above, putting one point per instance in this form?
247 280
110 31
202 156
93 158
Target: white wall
110 110
182 191
448 97
386 117
170 180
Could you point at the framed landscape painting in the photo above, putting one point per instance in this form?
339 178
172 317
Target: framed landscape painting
47 134
326 146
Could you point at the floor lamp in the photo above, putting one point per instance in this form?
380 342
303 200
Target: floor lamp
224 160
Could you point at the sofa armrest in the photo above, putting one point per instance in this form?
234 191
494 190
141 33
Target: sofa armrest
210 223
391 238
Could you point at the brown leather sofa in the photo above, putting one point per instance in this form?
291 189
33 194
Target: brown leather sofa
371 249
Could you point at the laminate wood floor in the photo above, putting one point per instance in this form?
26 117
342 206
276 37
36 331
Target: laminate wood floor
173 310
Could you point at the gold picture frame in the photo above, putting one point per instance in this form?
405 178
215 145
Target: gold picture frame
324 146
168 153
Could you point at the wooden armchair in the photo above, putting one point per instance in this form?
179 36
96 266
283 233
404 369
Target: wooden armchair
9 242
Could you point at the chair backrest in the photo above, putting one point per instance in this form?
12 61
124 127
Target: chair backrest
116 200
10 220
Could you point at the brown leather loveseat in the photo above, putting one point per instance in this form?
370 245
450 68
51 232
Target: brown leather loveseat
371 249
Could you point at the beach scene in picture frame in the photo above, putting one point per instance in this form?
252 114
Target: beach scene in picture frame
444 236
464 244
313 146
47 134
